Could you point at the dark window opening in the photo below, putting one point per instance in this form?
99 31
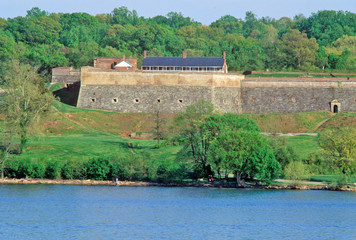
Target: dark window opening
180 100
137 100
115 100
92 100
158 100
335 109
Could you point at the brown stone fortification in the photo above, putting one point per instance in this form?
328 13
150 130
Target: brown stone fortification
164 91
65 75
94 76
157 91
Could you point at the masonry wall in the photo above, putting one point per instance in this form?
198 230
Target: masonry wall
173 92
65 75
142 98
296 95
149 92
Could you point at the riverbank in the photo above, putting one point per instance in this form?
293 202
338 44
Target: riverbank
192 184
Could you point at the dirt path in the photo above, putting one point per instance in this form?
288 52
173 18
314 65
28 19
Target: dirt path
300 182
130 146
70 120
320 124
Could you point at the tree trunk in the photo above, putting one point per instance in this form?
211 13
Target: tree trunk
238 178
219 174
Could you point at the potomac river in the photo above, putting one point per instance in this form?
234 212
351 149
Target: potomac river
109 212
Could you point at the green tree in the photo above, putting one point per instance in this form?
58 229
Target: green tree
298 49
26 99
326 26
7 145
245 153
229 24
189 131
159 127
339 147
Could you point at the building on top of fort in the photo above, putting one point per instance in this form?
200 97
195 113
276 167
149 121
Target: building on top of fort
185 64
120 64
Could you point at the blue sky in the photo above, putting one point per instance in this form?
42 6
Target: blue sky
204 11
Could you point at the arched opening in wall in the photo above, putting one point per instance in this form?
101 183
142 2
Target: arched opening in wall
158 100
180 100
92 100
137 100
335 109
335 106
115 100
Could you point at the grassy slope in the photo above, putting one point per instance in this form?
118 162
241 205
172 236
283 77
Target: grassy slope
70 132
73 132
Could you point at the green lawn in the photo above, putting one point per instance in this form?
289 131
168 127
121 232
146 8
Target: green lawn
302 144
330 178
91 145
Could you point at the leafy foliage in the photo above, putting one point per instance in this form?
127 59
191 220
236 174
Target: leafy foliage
226 143
62 39
339 147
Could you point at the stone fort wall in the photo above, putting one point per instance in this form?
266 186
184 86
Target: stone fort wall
163 91
173 92
66 75
273 95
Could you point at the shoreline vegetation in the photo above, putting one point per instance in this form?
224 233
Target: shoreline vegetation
88 182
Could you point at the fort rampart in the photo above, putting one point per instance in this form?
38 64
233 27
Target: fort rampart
287 95
65 75
163 91
170 92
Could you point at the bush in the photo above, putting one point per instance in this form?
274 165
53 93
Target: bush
285 155
39 167
341 180
74 169
169 171
132 167
26 169
99 169
53 170
296 171
12 168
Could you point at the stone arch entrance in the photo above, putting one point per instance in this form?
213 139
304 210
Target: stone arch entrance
335 106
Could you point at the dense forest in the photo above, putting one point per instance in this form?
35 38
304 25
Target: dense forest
324 41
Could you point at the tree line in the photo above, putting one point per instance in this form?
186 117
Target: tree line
325 40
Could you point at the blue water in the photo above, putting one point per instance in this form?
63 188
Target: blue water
109 212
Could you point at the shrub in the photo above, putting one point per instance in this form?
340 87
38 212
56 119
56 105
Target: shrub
74 169
296 171
341 180
99 169
26 169
12 168
39 167
285 155
53 170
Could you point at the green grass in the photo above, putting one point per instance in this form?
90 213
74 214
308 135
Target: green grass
329 178
92 145
303 145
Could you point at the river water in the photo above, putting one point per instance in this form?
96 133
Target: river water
109 212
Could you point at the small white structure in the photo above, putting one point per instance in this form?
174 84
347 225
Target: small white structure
123 66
